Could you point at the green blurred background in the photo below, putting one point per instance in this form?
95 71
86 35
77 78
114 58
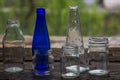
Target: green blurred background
94 18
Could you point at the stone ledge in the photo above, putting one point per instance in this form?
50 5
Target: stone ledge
58 41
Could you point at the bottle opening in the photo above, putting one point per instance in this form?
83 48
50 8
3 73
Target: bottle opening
12 23
40 11
74 7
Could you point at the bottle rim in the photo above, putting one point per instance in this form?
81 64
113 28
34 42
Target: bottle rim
74 7
40 11
10 22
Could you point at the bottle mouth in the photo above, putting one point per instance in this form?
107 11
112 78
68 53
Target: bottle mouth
74 7
40 11
12 21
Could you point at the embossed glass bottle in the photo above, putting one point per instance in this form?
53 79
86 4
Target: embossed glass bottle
13 47
74 37
74 45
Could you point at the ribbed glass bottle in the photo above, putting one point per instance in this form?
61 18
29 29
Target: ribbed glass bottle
13 47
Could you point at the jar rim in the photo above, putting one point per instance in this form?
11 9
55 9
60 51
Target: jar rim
98 40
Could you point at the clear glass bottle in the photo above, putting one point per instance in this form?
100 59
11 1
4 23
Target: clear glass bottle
98 55
41 45
74 37
13 47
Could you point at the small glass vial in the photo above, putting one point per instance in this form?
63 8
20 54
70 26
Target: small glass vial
13 48
70 62
98 56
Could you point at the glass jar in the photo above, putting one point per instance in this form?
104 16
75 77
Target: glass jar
98 55
70 62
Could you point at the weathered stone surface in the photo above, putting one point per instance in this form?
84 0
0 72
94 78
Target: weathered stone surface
56 44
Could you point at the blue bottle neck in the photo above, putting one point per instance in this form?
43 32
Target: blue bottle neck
41 36
40 15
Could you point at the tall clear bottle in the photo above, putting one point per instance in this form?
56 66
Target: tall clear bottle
75 39
41 45
13 48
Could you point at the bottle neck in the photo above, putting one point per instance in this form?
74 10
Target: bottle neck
74 36
40 15
11 23
41 35
73 18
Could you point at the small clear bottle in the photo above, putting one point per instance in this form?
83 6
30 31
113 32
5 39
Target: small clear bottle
74 37
70 62
13 47
98 56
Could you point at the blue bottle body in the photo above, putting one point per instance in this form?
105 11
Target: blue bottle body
41 44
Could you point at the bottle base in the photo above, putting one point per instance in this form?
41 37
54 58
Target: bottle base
73 68
83 69
41 73
98 72
13 69
69 75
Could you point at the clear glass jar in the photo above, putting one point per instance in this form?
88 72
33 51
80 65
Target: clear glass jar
70 62
98 56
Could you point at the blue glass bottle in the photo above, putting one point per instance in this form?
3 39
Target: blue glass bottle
41 44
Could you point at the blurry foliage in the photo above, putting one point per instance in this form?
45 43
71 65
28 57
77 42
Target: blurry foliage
93 21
